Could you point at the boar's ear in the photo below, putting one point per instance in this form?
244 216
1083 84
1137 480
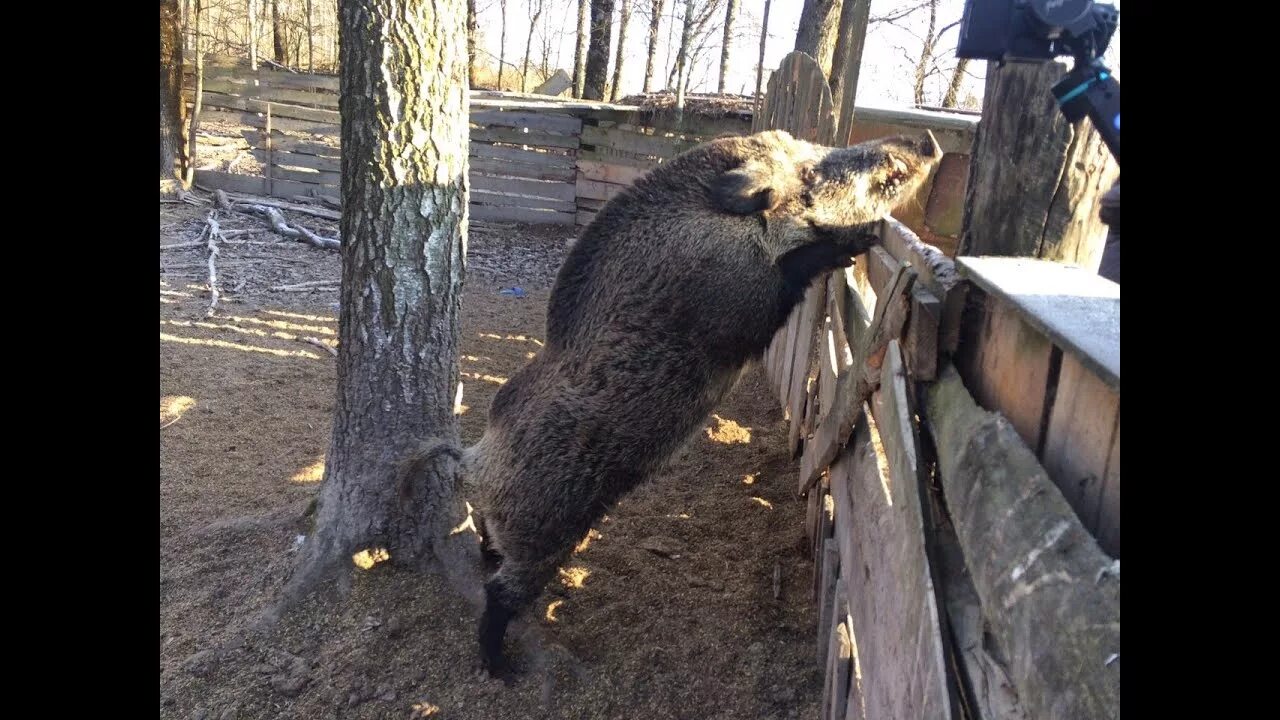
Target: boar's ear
746 190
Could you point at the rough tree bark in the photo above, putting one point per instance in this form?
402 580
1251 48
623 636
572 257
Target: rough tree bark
172 109
764 37
624 20
819 22
729 16
846 61
597 70
580 49
404 185
528 45
654 19
277 33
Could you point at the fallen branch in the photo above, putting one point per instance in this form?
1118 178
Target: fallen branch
320 344
304 286
214 232
304 209
277 222
182 246
273 63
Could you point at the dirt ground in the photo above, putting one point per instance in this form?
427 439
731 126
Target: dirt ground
669 609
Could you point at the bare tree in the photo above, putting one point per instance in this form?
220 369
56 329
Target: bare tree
597 70
925 62
819 24
764 37
580 49
172 109
950 99
253 35
472 68
528 45
404 218
847 58
700 31
682 58
311 51
624 20
654 19
197 48
277 32
729 15
502 42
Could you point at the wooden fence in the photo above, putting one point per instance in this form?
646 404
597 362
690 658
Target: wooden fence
533 158
959 562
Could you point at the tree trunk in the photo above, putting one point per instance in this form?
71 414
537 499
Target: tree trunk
197 49
311 51
764 37
472 68
597 71
528 45
625 19
926 54
580 49
502 44
404 217
253 35
654 21
172 109
846 63
682 58
277 32
819 23
729 16
953 88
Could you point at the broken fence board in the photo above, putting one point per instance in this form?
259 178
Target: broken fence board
937 272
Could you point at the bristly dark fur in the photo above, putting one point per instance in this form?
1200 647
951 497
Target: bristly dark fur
677 284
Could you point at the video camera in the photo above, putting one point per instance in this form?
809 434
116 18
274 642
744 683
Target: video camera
1041 30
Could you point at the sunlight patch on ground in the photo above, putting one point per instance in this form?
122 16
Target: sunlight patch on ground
312 473
574 577
728 432
172 407
165 337
366 559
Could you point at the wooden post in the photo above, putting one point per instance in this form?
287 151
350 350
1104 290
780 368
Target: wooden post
1035 180
270 159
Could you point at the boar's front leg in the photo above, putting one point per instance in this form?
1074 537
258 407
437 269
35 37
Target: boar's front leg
800 266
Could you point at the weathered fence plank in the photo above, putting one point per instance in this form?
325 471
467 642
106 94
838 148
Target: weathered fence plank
1048 591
